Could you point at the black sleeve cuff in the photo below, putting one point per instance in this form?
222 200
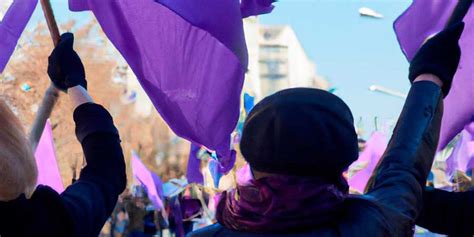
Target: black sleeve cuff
92 118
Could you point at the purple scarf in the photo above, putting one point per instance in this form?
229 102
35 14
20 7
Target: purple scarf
280 204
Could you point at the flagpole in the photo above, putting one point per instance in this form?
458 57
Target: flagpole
51 95
461 10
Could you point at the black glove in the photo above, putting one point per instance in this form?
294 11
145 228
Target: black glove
65 67
439 56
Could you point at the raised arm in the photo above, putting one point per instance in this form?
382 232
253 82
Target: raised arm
448 213
400 178
91 199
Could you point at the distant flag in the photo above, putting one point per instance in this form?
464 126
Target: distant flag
462 157
249 103
189 56
13 20
149 180
194 174
45 154
370 156
425 18
368 12
244 175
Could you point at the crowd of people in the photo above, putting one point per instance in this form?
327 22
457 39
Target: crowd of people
297 142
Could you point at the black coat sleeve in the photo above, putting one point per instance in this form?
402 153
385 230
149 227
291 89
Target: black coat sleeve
447 212
400 178
91 199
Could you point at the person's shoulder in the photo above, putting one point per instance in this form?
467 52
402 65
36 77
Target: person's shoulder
45 196
50 215
365 214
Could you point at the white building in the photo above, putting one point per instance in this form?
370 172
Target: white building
282 61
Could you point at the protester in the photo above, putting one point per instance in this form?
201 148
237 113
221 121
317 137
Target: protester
136 210
299 141
83 208
448 213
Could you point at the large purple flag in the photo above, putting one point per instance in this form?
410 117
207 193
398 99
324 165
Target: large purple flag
189 56
45 154
149 180
11 27
428 17
374 149
462 157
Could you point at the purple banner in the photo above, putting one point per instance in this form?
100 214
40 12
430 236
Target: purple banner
45 154
423 19
11 27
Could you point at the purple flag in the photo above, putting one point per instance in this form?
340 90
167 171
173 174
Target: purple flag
425 18
149 180
374 149
189 56
256 7
45 154
244 175
11 27
462 156
194 174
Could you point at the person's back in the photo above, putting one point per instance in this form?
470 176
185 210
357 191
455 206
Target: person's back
83 208
299 141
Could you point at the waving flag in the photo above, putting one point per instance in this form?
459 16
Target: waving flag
45 154
425 18
462 157
189 56
149 180
12 24
374 149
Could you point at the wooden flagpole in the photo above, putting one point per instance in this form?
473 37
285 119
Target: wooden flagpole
51 95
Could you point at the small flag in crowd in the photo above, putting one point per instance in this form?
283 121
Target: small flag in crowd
45 154
149 180
425 18
193 173
462 157
374 149
14 17
189 56
249 103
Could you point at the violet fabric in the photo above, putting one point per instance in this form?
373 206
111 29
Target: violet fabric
149 180
189 56
256 7
374 149
45 154
177 214
193 173
462 157
244 175
11 27
280 204
423 19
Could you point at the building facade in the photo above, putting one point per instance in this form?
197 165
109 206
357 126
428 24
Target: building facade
277 61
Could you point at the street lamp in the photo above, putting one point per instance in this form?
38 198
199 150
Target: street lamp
388 91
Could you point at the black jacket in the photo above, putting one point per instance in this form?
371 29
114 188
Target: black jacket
394 198
83 208
448 213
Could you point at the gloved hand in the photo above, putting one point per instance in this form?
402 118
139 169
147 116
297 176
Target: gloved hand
440 56
65 67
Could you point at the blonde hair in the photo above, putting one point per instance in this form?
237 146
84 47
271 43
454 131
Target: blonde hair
18 171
